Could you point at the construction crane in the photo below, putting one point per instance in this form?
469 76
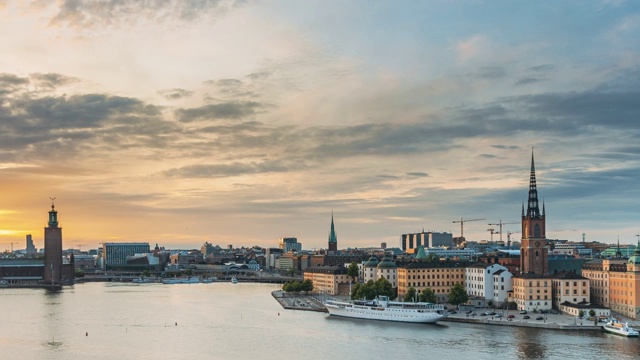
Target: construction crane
492 232
500 223
462 221
509 238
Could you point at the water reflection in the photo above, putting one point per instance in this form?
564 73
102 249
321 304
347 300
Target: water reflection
529 344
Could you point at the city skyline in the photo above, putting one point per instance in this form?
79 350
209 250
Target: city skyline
242 122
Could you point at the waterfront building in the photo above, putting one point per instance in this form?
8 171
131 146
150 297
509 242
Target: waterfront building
185 259
115 254
333 239
387 269
411 242
369 269
289 244
532 292
619 251
479 282
439 276
52 249
332 280
569 287
502 286
570 248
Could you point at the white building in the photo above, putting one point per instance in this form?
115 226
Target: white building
502 284
479 281
451 253
389 270
369 269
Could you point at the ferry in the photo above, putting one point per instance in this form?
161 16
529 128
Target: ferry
189 280
381 308
615 327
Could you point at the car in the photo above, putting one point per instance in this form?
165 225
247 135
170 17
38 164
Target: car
523 312
553 311
453 312
498 315
526 317
540 318
483 314
544 311
511 316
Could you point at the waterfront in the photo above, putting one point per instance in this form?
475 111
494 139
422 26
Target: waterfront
222 321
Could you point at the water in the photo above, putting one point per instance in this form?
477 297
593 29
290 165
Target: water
226 321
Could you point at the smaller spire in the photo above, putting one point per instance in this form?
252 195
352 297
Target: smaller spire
523 209
543 207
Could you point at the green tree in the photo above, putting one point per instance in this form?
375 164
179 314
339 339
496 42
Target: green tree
78 273
146 273
428 295
353 271
458 295
592 312
355 291
581 313
410 296
307 285
384 287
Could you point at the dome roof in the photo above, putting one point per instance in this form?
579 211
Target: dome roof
421 254
386 263
635 259
372 262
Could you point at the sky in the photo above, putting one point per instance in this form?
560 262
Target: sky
241 122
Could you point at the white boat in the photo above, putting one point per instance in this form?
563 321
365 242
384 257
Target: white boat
383 309
142 280
234 280
189 280
618 328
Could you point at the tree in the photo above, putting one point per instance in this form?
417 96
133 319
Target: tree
428 295
353 271
355 290
581 313
146 273
410 296
307 285
458 295
78 273
592 312
383 287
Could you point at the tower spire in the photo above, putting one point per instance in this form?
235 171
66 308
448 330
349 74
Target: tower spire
333 239
533 210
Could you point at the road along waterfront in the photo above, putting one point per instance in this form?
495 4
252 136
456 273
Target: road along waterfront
224 321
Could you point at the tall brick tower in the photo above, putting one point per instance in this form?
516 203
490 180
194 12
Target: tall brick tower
534 254
52 248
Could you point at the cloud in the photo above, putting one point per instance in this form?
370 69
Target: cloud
228 110
231 169
469 48
418 174
175 94
105 13
51 80
528 80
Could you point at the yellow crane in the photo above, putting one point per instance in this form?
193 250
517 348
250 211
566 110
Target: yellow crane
500 223
462 221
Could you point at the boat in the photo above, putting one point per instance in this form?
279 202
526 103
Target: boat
615 327
4 283
189 280
381 308
234 280
142 280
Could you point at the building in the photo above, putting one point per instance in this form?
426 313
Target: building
30 249
502 286
411 242
290 244
52 249
369 269
532 292
332 280
480 282
115 254
441 252
333 239
387 269
439 276
569 287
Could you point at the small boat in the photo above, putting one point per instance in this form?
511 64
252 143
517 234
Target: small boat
142 280
189 280
381 308
618 328
4 283
234 280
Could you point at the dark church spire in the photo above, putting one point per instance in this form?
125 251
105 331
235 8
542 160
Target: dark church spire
332 234
533 210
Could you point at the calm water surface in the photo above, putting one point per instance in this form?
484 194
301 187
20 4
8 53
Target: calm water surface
225 321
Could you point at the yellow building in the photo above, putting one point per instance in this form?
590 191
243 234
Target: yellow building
437 276
332 280
532 292
569 287
616 284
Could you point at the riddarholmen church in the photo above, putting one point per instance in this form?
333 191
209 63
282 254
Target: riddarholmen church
535 289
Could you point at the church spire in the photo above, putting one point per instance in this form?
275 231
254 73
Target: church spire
533 209
332 234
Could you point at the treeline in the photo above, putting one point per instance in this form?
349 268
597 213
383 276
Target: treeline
372 289
295 286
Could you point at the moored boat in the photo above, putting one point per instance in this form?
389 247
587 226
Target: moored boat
381 308
234 280
618 328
